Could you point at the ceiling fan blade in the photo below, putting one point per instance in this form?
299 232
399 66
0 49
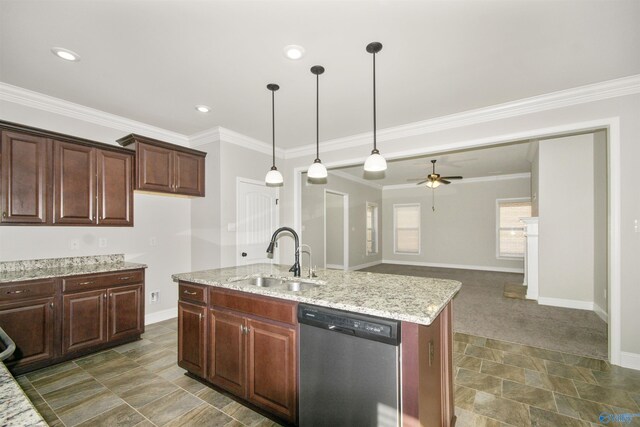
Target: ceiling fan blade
451 177
444 181
422 182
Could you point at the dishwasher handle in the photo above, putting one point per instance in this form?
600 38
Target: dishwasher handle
342 330
8 344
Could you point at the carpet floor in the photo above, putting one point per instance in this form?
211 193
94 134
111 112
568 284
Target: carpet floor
481 309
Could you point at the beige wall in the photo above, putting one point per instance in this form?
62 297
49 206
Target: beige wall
313 217
462 229
600 222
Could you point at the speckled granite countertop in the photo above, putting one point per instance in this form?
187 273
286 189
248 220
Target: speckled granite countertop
16 271
15 408
413 299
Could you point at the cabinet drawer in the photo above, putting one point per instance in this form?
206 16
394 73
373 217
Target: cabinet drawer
269 308
190 292
105 280
31 289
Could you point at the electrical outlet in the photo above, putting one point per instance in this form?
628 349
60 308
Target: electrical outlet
74 244
102 242
155 295
153 241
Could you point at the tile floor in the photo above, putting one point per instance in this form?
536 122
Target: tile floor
497 383
136 384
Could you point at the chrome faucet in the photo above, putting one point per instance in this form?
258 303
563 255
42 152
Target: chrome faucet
312 273
295 268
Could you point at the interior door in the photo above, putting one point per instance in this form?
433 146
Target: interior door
256 219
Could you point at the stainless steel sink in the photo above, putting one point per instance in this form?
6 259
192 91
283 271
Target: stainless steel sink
265 282
299 285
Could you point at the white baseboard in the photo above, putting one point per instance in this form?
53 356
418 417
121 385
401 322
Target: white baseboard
365 265
159 316
460 266
600 312
335 266
630 360
567 303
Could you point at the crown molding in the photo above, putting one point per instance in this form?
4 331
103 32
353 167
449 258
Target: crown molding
525 175
580 95
220 133
28 98
354 178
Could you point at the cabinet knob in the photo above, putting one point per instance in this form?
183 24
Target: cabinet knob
4 214
51 304
104 296
200 316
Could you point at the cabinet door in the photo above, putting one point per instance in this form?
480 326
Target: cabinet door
74 183
84 324
115 189
24 179
227 351
272 368
125 312
189 174
30 325
154 168
192 338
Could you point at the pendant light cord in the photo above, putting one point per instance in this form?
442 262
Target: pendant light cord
375 148
317 116
273 127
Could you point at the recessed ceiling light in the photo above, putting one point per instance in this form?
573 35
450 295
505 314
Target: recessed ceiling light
293 51
203 108
65 54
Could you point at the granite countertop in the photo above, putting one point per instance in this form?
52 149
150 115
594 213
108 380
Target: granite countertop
15 408
412 299
16 271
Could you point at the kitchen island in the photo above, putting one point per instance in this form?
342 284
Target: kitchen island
244 338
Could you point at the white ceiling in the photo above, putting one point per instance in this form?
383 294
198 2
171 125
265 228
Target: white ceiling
152 61
499 160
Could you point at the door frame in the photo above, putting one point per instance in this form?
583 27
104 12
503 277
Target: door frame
239 180
345 230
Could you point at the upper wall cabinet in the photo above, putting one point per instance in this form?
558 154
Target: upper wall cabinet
54 179
166 168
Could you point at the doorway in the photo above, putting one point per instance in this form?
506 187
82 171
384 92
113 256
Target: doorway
336 230
257 216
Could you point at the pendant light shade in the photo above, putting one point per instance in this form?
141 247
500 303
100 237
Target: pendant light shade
274 177
375 162
317 169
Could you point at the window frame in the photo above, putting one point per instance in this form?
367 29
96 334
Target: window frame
498 228
375 228
395 228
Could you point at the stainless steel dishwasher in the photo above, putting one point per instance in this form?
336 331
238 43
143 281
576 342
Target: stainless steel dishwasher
349 369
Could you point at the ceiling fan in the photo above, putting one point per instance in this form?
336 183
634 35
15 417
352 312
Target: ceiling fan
433 180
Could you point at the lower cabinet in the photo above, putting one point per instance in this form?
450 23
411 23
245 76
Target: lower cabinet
249 346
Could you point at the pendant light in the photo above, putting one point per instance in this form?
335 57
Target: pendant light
375 162
274 177
317 169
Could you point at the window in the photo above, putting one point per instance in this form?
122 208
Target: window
511 240
372 228
406 224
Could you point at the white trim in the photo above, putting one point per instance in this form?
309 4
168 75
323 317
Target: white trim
600 312
395 251
524 175
334 267
345 229
513 257
376 227
159 316
365 265
39 101
630 360
354 178
222 134
563 98
567 303
458 266
615 242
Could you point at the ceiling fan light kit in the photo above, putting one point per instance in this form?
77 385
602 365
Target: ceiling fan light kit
375 162
317 169
274 177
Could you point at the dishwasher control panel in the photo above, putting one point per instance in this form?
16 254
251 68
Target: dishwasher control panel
369 327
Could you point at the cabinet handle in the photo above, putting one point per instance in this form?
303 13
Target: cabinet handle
125 278
19 291
431 353
86 283
200 316
51 304
189 293
241 329
4 214
104 296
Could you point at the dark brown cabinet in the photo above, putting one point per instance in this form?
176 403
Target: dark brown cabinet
84 322
25 179
124 318
249 345
53 179
167 168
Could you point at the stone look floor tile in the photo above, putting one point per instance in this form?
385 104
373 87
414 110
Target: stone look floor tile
550 382
145 423
478 381
172 373
98 359
60 380
173 405
203 415
189 384
120 416
502 371
214 398
571 372
542 418
484 353
504 410
45 372
605 395
135 378
243 414
132 345
111 368
459 347
522 361
141 395
529 395
469 339
137 353
505 346
482 421
619 378
585 362
85 409
541 353
579 408
464 397
468 362
73 393
464 418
